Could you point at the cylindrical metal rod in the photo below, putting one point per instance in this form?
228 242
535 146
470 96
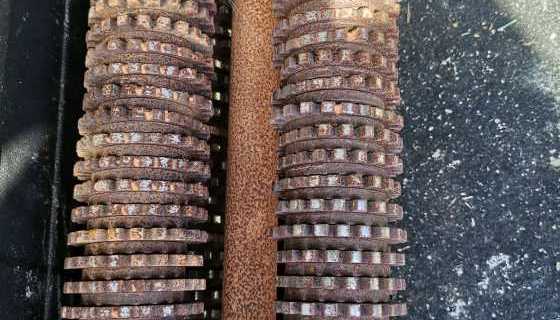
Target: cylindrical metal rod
250 253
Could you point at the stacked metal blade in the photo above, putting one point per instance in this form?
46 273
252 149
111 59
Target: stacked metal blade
339 145
145 161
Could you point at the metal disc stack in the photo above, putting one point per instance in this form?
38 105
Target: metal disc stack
339 145
145 167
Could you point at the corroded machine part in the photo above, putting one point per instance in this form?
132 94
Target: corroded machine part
139 119
340 160
142 167
340 289
148 26
199 13
336 113
339 262
157 97
346 186
339 236
140 191
139 50
144 312
283 7
339 311
293 116
136 240
136 266
338 210
142 144
149 74
250 285
138 215
146 169
342 135
134 292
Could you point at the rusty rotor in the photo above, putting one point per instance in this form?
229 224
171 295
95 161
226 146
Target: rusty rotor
146 144
336 113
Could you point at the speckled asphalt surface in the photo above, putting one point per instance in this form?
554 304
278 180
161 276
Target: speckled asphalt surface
481 87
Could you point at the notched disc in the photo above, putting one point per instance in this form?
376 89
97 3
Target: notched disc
198 13
341 161
115 49
149 74
142 144
339 263
357 88
144 312
335 60
140 119
344 186
282 8
345 135
140 191
132 261
150 27
134 292
138 215
309 18
355 38
142 167
294 116
339 311
133 266
335 211
339 289
338 236
136 240
109 95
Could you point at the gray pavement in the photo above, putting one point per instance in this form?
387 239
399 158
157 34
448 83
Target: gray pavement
481 87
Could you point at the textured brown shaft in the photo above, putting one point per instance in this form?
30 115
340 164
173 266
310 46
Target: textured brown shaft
250 261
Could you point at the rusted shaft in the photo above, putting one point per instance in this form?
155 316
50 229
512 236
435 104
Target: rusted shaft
250 261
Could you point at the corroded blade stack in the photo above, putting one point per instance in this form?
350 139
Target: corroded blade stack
339 144
146 161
